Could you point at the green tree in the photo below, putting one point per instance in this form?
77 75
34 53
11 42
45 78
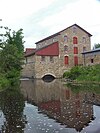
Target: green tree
16 39
96 45
11 54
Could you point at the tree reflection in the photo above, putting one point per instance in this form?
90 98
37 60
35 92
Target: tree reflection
12 105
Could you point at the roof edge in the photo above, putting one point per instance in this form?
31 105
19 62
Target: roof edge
58 33
94 50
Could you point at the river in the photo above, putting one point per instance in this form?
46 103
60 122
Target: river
50 107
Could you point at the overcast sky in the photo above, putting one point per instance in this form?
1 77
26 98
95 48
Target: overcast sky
41 18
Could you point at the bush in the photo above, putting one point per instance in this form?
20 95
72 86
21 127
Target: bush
85 73
4 82
73 73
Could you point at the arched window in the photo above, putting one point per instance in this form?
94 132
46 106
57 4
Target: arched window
65 48
84 49
42 58
65 38
74 29
75 60
66 60
75 40
75 50
51 59
84 40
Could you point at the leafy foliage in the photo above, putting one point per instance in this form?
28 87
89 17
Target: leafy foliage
97 46
73 73
85 73
11 55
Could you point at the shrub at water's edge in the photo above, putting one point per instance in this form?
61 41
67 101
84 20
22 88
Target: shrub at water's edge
84 73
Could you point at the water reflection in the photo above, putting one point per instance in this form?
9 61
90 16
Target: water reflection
57 101
12 119
50 107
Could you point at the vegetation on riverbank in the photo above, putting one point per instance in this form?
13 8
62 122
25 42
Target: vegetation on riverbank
11 55
84 73
76 88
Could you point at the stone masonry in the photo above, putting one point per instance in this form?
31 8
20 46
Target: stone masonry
70 39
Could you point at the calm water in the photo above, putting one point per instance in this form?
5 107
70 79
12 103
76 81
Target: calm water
52 107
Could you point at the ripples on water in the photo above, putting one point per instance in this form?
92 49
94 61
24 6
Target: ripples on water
50 107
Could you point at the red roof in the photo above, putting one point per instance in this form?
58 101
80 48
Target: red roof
29 51
50 50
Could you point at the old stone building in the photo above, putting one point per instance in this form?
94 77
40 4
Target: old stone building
91 57
57 53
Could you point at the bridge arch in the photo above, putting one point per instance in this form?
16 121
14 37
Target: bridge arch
48 77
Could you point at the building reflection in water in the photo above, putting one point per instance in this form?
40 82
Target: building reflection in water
59 102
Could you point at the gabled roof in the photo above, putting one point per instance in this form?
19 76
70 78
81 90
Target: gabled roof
50 50
29 51
58 33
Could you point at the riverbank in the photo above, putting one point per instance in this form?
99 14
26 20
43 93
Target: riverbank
83 74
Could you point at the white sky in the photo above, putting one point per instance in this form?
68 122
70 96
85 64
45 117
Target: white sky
41 18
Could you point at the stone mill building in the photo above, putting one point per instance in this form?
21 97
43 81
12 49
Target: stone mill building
57 53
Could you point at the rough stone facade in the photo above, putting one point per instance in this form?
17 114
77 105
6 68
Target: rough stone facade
72 41
28 67
91 57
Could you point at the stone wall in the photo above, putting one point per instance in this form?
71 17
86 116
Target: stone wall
47 67
91 58
79 34
28 71
28 67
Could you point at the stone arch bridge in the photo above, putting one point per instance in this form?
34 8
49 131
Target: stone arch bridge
28 71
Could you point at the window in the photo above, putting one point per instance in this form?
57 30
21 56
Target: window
75 40
75 50
51 59
84 40
74 29
66 60
65 38
92 61
75 60
42 58
84 49
65 48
